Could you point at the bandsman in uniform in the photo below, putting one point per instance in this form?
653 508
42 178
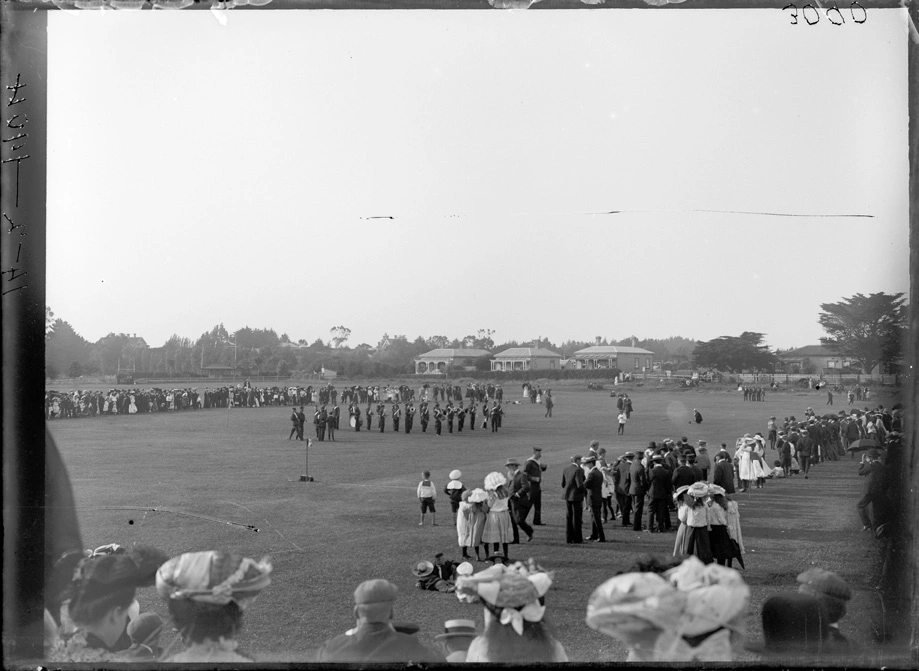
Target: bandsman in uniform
409 416
534 471
460 417
319 423
369 413
495 416
471 412
425 416
396 414
381 416
301 421
336 417
331 423
295 429
438 418
356 413
451 413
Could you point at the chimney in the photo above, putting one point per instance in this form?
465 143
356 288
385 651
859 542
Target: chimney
598 340
633 341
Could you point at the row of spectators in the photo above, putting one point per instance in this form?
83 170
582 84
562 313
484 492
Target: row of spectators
671 610
86 403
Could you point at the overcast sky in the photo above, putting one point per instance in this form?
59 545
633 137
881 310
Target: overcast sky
201 173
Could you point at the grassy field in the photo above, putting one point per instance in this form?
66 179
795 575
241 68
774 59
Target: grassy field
359 518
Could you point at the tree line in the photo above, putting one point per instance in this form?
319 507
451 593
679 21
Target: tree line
867 329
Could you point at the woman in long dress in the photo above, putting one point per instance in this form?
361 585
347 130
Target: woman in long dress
132 406
745 464
498 529
692 536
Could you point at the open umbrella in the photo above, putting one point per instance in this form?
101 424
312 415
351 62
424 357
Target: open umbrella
863 444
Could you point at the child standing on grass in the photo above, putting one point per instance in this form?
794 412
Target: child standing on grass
427 492
622 420
454 490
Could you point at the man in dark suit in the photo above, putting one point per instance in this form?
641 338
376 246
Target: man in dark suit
659 489
573 483
519 494
638 487
683 475
534 470
593 484
724 472
874 490
622 480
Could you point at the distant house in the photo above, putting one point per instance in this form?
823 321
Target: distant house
217 370
327 374
817 359
439 360
526 358
626 359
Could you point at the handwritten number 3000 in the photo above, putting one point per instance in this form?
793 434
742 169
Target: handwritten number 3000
836 19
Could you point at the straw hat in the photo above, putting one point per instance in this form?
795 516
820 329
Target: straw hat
514 594
698 490
423 569
455 474
213 577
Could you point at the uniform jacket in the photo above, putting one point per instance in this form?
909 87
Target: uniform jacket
534 471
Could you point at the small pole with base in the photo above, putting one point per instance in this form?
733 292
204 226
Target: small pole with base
306 476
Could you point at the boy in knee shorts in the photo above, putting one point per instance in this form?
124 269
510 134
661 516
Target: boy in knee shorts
427 492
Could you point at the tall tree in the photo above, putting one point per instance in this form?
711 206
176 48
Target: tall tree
340 335
869 329
734 353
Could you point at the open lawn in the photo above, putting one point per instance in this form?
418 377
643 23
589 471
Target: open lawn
223 473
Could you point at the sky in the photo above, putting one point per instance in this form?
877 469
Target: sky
440 172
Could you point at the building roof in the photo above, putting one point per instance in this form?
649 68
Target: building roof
809 350
604 351
527 353
217 366
454 353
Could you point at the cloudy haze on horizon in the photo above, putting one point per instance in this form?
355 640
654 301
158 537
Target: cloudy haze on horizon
436 173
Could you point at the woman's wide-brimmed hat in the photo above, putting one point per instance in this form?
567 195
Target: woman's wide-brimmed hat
680 490
514 593
714 490
698 490
455 474
213 577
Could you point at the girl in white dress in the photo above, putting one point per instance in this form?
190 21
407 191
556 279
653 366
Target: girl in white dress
498 529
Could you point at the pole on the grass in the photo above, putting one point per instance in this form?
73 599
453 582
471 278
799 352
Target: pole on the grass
306 476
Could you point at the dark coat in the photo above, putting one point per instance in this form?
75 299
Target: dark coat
724 476
573 483
593 484
659 483
378 643
638 479
683 475
519 486
623 477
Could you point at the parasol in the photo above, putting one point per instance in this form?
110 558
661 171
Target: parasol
864 444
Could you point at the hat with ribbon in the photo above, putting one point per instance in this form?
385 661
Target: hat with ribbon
456 474
213 577
513 594
698 490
